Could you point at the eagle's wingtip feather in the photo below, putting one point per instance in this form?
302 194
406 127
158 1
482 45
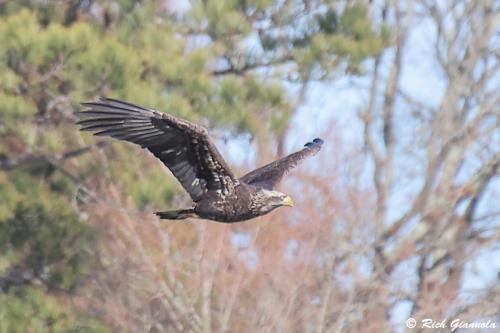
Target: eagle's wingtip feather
316 142
319 141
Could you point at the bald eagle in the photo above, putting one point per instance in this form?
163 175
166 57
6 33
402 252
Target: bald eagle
187 150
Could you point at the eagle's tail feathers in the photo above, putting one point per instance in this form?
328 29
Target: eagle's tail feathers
179 214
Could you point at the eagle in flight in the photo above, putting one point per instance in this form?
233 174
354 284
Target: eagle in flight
187 150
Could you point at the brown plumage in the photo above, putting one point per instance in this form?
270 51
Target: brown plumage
187 150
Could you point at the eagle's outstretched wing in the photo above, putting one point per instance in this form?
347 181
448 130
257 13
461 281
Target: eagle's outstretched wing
185 148
269 175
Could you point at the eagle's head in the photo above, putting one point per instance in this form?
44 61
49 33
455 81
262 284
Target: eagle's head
266 200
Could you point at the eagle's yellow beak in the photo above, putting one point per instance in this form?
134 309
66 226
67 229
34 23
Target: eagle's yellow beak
288 201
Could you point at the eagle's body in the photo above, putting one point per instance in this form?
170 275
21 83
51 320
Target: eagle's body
232 208
186 149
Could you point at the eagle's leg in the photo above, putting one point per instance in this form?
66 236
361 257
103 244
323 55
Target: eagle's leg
179 214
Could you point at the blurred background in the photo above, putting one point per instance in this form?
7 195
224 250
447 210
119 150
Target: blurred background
398 216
